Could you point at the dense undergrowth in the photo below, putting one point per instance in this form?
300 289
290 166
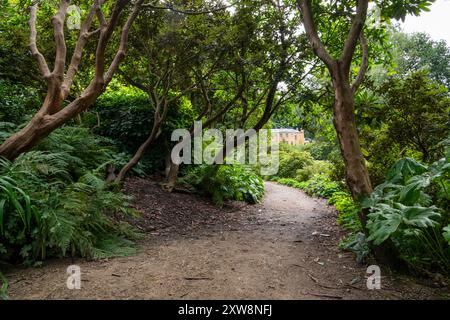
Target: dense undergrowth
410 208
227 182
54 201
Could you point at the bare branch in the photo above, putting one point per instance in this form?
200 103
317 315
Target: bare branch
43 67
120 55
364 63
133 82
60 41
311 32
105 36
354 33
78 52
101 17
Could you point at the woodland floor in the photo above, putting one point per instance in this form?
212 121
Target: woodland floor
284 248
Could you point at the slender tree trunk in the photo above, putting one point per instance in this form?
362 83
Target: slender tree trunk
357 175
172 177
156 132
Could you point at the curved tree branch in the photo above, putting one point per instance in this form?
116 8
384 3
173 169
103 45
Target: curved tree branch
43 67
61 48
120 55
364 63
78 52
311 32
354 33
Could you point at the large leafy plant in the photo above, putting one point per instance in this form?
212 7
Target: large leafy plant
404 210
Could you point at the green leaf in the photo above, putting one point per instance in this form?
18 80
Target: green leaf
446 233
406 168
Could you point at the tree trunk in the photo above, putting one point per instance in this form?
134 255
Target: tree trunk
51 116
24 139
172 177
357 175
156 131
42 124
345 124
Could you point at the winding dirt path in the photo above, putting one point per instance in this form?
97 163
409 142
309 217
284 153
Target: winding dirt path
284 248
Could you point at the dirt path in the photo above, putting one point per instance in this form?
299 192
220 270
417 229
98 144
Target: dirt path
284 248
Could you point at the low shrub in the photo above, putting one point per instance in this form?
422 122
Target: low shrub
227 182
348 211
321 186
317 167
16 100
292 160
125 116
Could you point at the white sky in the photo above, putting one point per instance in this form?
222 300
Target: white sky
436 22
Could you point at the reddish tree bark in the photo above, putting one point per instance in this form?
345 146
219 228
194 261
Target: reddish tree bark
51 115
357 175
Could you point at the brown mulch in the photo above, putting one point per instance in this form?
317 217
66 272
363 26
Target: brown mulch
164 213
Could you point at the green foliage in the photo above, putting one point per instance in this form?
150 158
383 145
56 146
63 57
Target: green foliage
413 107
3 287
16 101
321 186
125 116
404 210
291 183
297 163
318 186
54 201
319 150
227 182
348 210
357 243
446 233
417 51
291 160
318 167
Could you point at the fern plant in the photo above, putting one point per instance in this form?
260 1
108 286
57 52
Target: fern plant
55 202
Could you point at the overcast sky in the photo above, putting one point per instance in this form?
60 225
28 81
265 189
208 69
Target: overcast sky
436 22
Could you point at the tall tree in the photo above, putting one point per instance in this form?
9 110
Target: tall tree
413 52
52 113
345 87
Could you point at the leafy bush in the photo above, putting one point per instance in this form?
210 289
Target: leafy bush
348 210
321 186
319 150
356 243
227 182
402 209
292 160
54 201
292 183
317 167
125 116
